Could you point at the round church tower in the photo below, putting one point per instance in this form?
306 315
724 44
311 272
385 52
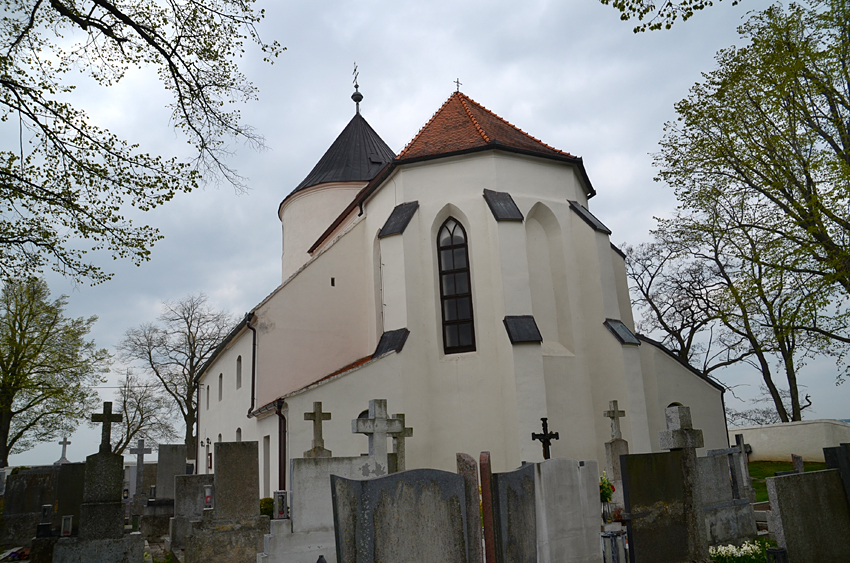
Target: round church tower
354 158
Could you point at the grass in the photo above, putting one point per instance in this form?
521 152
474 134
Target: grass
760 470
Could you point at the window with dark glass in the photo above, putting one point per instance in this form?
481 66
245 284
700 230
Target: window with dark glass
455 288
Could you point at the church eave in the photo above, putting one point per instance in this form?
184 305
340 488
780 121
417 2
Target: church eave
231 336
690 368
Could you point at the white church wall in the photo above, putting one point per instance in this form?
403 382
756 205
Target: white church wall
304 217
622 284
677 384
319 321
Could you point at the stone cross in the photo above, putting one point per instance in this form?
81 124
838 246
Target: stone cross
64 443
107 418
377 426
317 416
680 433
545 438
398 442
140 450
615 416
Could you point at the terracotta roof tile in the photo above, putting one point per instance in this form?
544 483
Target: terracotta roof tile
461 123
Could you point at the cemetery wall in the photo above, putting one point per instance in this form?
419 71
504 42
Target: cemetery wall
776 442
673 384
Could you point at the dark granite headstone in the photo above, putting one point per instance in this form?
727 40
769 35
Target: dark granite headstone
237 480
414 515
69 494
839 458
810 516
26 492
514 515
102 512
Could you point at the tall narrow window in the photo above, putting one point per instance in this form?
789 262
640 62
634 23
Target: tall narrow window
208 397
455 289
220 385
239 372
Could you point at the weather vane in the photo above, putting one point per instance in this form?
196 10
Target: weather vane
356 96
458 83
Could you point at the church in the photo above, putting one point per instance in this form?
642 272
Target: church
464 280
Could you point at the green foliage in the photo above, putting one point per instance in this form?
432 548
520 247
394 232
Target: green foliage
654 17
69 180
267 507
748 552
761 470
47 367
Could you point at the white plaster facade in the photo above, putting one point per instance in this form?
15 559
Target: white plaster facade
335 304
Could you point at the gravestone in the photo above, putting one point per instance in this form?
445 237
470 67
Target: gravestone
663 496
546 512
101 530
397 460
810 516
64 443
839 458
318 443
139 498
615 448
468 469
309 530
233 530
188 506
729 516
415 515
26 492
171 461
377 426
69 495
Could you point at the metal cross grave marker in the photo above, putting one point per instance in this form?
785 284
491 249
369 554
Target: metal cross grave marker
107 418
615 416
545 438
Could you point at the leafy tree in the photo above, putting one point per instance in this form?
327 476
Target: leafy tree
70 180
145 413
47 367
770 127
174 350
653 16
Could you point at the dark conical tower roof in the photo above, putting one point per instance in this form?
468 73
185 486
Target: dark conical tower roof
357 155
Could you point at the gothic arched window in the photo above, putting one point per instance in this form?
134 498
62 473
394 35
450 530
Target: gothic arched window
455 288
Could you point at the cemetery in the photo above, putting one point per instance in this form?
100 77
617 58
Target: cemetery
671 506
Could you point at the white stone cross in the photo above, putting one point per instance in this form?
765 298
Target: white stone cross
377 426
317 416
140 450
64 443
615 416
398 442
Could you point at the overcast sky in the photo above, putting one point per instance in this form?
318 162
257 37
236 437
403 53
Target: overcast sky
568 72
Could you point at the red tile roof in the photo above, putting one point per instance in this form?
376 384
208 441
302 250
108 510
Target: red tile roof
462 124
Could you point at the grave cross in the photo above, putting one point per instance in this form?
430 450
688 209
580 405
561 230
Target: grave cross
545 438
140 450
317 416
377 426
615 416
398 442
107 418
64 443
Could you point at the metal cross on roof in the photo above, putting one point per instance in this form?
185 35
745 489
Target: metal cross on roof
398 442
140 450
64 443
458 83
377 426
317 416
545 438
615 416
107 418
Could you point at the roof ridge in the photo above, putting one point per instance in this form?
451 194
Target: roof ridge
423 128
462 99
506 122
